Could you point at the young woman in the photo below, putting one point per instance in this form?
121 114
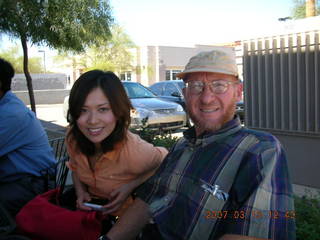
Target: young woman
106 159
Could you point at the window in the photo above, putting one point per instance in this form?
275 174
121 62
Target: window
157 88
171 74
136 90
125 76
169 89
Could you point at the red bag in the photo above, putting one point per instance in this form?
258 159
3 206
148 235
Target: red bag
42 219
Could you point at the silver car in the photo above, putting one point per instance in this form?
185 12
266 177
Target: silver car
149 110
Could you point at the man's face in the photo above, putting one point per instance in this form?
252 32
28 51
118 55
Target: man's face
208 110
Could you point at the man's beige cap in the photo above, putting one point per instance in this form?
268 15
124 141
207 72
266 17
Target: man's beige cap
221 60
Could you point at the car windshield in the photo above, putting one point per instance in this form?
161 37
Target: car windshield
181 85
136 90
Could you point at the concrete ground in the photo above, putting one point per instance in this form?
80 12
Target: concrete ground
51 117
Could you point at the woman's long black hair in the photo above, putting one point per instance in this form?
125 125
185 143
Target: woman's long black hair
120 104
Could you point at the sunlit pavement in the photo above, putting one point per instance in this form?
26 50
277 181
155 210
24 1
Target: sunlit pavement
51 113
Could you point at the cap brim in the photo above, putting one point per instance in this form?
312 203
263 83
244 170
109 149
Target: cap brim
184 73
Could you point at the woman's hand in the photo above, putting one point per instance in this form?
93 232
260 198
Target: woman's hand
81 199
81 192
119 196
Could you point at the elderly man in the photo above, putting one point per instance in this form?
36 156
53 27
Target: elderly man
221 180
24 148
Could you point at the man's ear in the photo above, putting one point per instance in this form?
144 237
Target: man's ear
184 92
239 91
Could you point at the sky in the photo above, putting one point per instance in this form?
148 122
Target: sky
190 22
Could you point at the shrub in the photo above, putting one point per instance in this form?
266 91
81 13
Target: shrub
161 139
165 140
307 218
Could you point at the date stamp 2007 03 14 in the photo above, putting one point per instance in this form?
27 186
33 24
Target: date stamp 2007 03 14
249 214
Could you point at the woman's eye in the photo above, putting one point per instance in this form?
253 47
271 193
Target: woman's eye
83 110
103 109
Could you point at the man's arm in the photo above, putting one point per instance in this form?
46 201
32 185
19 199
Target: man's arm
131 222
10 127
239 237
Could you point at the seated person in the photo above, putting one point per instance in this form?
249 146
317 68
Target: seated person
106 159
25 152
221 180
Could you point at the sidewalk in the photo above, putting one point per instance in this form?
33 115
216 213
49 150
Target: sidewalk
53 130
52 119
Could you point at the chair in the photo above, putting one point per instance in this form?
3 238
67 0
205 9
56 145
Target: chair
60 170
55 176
59 147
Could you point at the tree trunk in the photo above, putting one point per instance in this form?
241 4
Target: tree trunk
310 8
27 74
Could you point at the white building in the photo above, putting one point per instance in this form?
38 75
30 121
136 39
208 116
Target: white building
159 63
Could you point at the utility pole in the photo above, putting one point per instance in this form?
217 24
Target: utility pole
310 8
44 59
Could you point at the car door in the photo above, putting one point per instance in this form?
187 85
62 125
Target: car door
170 88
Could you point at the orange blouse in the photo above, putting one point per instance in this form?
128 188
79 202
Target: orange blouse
130 159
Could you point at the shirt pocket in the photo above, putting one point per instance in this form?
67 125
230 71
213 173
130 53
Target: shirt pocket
183 211
194 195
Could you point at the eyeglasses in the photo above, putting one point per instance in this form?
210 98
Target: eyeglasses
217 86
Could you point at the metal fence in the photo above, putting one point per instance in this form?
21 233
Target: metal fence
282 96
282 90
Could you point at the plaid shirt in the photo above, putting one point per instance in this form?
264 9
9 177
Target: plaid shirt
260 202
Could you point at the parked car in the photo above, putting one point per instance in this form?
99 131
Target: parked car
149 110
172 91
240 110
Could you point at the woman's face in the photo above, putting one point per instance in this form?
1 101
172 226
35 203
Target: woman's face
96 120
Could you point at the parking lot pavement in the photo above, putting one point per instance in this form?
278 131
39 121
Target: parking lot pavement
51 113
51 117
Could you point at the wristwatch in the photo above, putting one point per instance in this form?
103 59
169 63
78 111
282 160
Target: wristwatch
103 237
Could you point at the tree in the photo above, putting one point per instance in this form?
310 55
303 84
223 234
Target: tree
60 24
112 55
14 55
299 9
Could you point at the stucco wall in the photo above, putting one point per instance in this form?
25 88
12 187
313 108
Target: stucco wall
55 96
40 81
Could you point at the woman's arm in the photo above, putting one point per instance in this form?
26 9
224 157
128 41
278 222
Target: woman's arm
143 159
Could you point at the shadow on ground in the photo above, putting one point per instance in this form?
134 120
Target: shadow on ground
53 130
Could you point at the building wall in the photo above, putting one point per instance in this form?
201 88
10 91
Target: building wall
40 81
153 61
55 96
